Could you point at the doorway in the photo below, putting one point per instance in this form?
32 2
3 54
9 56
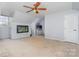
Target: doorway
40 27
39 30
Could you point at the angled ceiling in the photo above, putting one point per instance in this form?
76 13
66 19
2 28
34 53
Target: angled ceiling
9 8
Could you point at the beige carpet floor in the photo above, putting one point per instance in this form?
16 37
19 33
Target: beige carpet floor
37 47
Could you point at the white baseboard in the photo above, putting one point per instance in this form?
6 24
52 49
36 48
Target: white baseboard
59 39
54 38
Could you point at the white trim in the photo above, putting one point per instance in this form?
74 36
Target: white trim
59 39
54 38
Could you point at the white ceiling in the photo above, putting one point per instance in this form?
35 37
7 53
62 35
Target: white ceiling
8 8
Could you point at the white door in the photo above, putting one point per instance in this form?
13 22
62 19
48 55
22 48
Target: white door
71 28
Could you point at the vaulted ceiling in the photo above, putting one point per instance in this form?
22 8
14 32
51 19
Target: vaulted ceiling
9 8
